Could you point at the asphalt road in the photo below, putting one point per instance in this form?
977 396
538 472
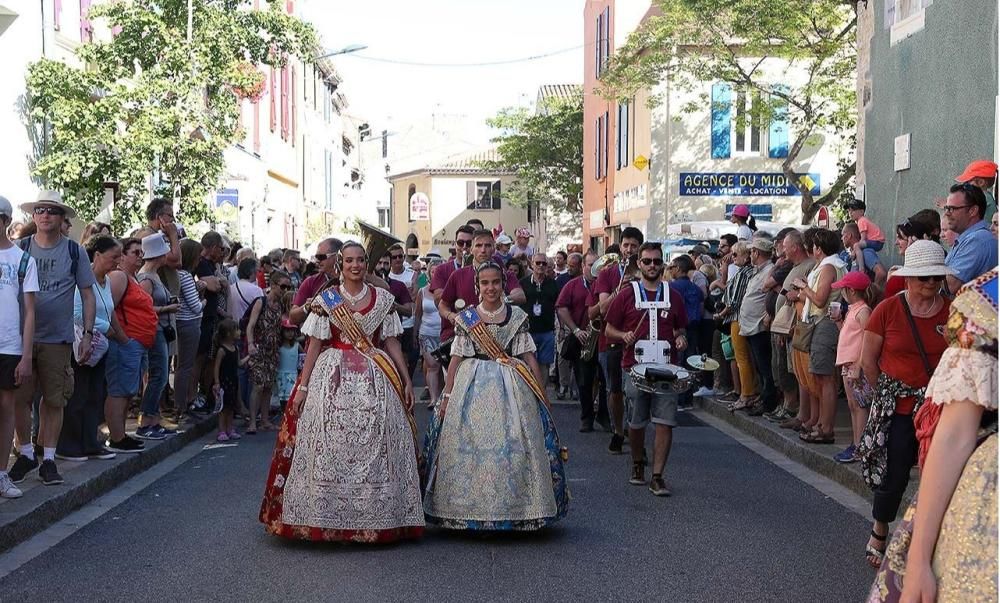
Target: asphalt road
736 529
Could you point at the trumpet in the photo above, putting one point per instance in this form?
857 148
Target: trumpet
629 268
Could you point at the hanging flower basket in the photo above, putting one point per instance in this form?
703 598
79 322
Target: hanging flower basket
247 82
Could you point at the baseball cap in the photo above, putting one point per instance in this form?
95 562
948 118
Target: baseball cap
741 211
698 250
980 168
6 208
853 280
503 239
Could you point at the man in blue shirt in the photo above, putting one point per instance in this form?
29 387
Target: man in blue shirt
975 251
694 305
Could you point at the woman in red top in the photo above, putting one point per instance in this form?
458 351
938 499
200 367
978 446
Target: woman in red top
135 314
903 343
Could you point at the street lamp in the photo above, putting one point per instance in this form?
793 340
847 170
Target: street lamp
344 50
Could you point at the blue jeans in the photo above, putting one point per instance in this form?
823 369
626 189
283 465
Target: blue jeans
157 362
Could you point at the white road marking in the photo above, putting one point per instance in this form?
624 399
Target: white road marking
63 529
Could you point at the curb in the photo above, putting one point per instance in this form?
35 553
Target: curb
806 455
18 526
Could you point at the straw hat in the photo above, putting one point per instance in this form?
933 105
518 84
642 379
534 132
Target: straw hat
51 199
924 258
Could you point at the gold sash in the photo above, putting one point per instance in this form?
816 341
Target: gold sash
480 333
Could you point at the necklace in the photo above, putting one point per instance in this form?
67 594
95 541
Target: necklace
353 299
491 314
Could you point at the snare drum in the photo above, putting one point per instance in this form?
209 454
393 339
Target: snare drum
661 378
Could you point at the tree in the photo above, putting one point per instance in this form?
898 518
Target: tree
689 42
545 152
152 101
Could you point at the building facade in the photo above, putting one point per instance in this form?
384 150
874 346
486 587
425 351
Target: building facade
928 99
452 192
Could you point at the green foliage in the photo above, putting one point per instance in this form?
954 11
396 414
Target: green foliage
148 101
544 150
689 42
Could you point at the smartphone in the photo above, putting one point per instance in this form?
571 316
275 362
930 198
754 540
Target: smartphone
174 300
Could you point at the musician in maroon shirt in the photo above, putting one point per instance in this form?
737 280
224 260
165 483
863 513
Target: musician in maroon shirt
609 281
628 323
460 291
571 307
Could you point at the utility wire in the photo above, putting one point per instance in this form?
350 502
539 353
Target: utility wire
483 64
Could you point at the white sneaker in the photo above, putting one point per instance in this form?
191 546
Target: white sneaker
7 487
704 392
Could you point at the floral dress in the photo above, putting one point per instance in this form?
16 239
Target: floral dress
965 560
346 468
493 457
267 338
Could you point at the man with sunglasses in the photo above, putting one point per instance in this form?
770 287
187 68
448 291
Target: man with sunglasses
460 291
463 248
61 270
326 264
540 295
629 321
406 278
975 251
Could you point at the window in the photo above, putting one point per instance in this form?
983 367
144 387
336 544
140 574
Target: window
383 218
623 155
903 18
484 194
412 190
747 125
602 47
601 147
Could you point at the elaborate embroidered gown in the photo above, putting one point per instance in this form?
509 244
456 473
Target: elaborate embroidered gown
965 559
493 459
346 469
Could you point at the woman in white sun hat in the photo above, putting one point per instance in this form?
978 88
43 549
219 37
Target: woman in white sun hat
903 343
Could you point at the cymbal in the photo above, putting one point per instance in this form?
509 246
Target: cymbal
702 363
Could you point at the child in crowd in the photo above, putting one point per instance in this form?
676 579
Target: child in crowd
226 384
871 235
288 361
857 293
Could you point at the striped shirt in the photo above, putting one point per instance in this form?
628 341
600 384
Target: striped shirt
191 304
736 289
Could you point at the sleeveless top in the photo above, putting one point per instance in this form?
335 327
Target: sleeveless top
161 297
430 321
135 314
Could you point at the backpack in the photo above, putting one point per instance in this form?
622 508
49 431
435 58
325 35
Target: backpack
22 270
245 320
25 245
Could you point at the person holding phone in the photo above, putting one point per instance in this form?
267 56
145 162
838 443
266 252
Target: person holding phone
154 252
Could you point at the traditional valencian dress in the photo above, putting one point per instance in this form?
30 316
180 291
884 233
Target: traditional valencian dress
493 457
346 469
965 557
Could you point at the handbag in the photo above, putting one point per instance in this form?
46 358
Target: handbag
169 333
726 342
784 320
571 348
98 346
802 335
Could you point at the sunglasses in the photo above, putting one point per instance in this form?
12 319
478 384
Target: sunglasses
52 211
651 261
320 257
463 243
396 256
285 287
936 278
541 263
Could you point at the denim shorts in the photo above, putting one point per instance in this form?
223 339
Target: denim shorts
545 347
660 408
124 368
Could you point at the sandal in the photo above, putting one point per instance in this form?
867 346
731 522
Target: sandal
740 404
794 424
817 437
873 554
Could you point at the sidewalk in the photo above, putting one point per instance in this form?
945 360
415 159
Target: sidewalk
41 506
816 457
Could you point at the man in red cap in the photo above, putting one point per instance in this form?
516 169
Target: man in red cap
982 173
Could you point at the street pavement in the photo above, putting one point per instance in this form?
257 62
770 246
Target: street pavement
737 528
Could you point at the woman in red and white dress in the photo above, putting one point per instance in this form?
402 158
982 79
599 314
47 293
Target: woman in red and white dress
345 465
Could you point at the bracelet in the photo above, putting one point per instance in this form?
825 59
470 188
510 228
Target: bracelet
304 388
446 396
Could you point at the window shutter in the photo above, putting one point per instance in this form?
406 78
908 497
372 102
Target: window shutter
256 126
284 103
597 46
85 28
292 105
273 93
470 194
496 195
57 14
722 98
777 132
606 38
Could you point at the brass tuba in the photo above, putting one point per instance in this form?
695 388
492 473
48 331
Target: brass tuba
376 242
596 326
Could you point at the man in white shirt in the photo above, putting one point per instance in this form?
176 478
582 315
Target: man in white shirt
399 271
18 279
